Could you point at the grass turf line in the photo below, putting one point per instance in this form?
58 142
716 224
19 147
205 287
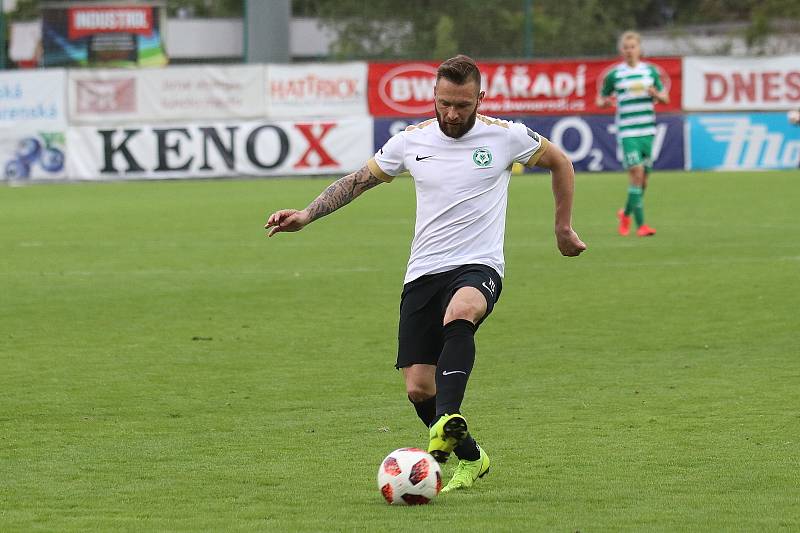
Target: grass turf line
165 367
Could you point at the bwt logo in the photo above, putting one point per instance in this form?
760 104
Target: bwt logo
751 145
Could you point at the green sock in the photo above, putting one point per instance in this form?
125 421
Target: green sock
634 204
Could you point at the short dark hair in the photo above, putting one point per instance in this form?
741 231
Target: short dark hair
459 70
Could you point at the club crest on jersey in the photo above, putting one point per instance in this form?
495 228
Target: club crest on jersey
482 157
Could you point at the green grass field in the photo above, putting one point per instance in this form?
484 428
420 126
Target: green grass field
165 367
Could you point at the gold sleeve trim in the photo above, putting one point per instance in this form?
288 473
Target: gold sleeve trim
493 121
377 172
538 153
420 125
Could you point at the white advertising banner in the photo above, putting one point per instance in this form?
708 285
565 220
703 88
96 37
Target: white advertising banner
28 153
164 94
218 149
34 99
726 83
316 90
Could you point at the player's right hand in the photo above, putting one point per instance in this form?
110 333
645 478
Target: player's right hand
286 220
569 244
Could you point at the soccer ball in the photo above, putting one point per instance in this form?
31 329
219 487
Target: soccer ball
409 476
794 116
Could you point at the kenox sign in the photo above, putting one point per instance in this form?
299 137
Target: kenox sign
566 87
248 148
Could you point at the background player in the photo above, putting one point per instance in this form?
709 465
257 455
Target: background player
636 86
461 165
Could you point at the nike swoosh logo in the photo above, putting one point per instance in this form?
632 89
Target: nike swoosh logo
446 373
426 157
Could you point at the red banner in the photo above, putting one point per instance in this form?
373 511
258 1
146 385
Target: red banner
519 88
85 21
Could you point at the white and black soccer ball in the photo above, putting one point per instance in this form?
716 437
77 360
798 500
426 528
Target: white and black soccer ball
794 116
409 476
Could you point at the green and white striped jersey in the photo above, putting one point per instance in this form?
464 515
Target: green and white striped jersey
636 116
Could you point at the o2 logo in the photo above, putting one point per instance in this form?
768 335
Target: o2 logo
591 139
38 150
585 147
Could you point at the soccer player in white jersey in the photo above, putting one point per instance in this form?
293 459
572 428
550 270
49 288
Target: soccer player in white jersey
637 88
461 166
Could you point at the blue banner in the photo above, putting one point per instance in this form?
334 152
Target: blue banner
743 141
589 140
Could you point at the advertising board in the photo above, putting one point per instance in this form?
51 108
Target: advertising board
218 149
742 141
512 88
589 141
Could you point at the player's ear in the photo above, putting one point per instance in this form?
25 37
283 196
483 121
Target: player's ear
480 96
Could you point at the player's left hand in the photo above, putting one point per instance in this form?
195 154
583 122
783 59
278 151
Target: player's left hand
569 243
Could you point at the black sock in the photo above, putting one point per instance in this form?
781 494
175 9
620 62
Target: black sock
468 449
426 410
455 365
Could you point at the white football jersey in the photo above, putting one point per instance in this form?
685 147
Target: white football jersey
462 189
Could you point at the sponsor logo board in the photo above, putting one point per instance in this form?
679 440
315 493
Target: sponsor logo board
86 21
33 99
589 141
254 148
32 154
729 84
317 90
520 88
743 141
106 96
173 93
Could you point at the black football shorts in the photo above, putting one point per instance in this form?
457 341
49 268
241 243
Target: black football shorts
424 302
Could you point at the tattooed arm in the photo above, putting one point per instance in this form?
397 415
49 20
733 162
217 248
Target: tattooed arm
338 194
341 193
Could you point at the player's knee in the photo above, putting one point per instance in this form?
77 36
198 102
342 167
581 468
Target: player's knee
637 175
419 392
464 311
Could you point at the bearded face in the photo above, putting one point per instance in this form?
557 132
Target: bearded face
456 106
